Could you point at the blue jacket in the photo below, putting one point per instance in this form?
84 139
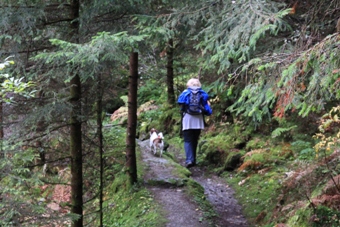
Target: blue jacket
184 99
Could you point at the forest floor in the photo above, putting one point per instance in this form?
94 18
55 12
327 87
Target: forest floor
167 185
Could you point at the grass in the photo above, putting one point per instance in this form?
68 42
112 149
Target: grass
125 205
258 193
133 207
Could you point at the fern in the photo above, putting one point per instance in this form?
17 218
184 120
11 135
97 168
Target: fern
278 131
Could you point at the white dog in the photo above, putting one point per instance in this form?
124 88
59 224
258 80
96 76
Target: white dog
156 142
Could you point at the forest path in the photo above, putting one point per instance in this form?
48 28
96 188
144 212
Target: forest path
167 184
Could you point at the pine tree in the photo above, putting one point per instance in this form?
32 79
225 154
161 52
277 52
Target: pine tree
131 163
64 71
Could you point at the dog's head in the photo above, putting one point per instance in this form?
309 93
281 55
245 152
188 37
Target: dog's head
160 135
159 139
152 131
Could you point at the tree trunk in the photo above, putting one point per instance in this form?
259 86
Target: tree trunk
2 155
170 72
76 153
100 147
131 165
40 128
75 131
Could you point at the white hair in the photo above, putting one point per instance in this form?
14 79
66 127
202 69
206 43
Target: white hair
193 82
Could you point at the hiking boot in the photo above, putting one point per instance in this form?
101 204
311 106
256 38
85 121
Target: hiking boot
189 165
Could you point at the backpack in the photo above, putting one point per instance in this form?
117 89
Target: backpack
194 106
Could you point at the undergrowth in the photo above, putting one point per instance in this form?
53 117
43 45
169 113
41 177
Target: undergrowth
280 178
257 192
127 206
130 207
283 181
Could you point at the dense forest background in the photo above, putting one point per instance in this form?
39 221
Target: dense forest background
271 68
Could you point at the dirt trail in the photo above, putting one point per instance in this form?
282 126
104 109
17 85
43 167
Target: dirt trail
167 188
221 196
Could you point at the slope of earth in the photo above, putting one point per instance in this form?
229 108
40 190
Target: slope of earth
166 179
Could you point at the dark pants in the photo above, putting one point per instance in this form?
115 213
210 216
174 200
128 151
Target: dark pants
191 137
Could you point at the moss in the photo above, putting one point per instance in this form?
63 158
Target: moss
257 142
258 191
177 182
220 143
233 160
196 191
134 207
181 171
325 216
300 218
112 104
215 150
131 206
278 173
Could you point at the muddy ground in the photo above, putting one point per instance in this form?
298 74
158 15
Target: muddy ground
168 190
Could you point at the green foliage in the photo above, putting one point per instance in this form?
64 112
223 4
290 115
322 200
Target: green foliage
313 77
326 217
305 85
114 138
257 142
255 102
148 119
150 91
259 192
220 96
19 14
154 113
225 33
88 59
10 84
163 117
279 131
150 116
233 29
19 185
221 143
218 145
304 149
168 20
134 207
265 158
218 88
169 119
156 28
6 64
300 219
125 206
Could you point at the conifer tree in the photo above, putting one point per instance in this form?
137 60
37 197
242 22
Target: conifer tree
76 151
170 72
131 163
60 77
250 47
